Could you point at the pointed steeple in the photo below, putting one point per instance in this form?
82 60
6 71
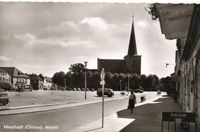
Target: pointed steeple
132 49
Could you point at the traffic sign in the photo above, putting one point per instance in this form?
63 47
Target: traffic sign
102 82
102 74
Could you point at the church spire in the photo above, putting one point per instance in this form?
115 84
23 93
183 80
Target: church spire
132 50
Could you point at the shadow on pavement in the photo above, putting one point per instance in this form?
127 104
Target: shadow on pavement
148 117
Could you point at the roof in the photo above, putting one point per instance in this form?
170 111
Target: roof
1 70
48 79
174 19
12 71
112 65
132 50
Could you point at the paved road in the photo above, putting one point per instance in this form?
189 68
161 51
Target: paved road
61 120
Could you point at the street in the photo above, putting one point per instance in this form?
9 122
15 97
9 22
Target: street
63 119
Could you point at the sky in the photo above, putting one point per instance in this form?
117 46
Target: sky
48 37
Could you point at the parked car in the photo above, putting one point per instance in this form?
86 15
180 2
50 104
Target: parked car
44 88
91 89
78 89
4 98
107 91
138 91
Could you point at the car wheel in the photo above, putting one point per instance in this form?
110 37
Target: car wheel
99 94
4 103
110 95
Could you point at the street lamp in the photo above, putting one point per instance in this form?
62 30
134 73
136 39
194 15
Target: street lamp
128 84
85 62
120 85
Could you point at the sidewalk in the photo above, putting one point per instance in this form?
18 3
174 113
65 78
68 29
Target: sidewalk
145 118
148 117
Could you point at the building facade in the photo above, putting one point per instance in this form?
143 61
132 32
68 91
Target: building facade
4 77
19 80
182 22
5 80
130 64
47 83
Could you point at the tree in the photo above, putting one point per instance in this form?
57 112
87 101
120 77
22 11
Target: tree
90 81
143 81
68 80
151 9
122 81
41 76
77 67
150 82
135 81
59 78
108 79
115 81
156 83
168 85
96 78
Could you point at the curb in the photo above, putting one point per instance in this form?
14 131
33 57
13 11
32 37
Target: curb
27 109
49 107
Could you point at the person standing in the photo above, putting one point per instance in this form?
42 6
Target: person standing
132 101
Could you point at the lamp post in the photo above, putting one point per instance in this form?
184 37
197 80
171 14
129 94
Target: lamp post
120 85
128 84
85 62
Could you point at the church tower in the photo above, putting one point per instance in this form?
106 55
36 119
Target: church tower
131 62
132 59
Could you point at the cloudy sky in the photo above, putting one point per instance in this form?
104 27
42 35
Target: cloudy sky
49 37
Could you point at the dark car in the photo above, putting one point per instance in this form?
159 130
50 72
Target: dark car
107 91
4 98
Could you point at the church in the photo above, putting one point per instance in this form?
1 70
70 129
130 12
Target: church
130 64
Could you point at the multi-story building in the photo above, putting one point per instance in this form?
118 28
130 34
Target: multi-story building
4 77
47 83
182 22
5 80
19 80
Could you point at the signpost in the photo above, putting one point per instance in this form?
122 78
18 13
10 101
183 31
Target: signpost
102 83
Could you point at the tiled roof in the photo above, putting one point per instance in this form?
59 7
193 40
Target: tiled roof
1 70
13 71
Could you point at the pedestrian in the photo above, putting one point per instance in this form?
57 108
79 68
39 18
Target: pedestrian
132 101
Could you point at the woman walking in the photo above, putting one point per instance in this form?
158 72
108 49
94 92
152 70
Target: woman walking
132 101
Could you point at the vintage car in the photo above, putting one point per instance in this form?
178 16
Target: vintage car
4 98
107 91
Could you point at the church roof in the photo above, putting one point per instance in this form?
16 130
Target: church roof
132 50
112 65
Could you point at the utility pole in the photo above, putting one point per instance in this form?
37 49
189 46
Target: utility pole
85 62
